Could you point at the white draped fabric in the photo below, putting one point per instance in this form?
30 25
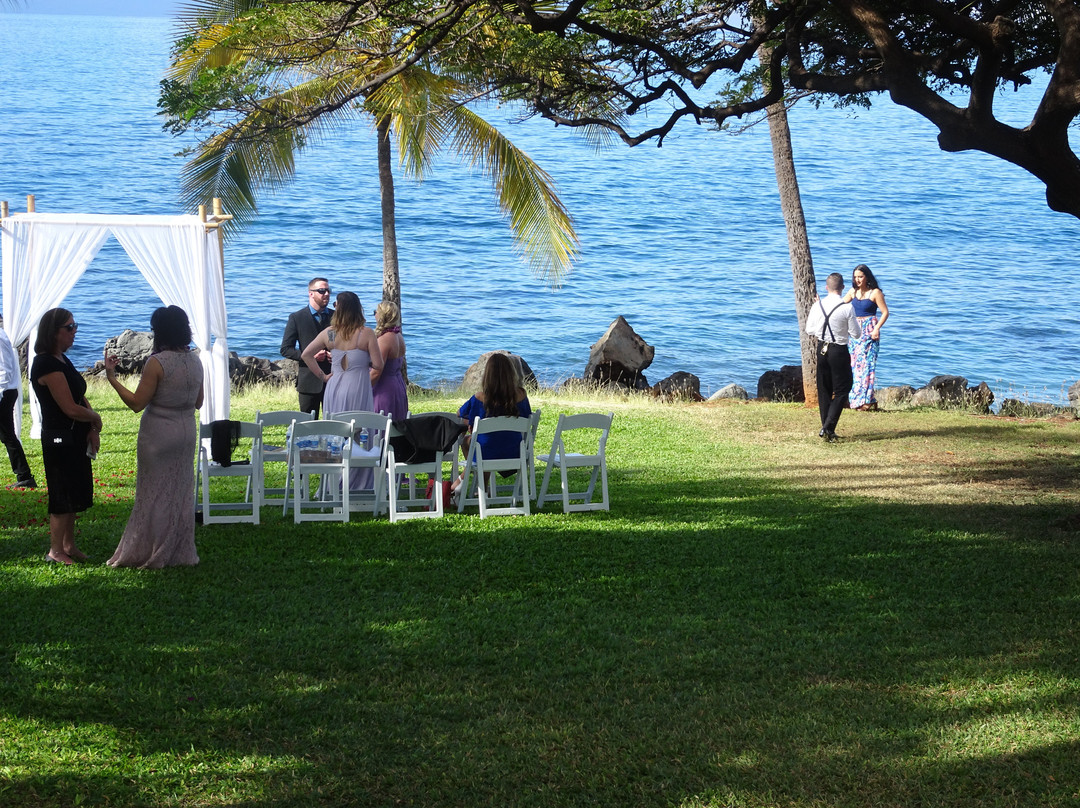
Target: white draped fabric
44 254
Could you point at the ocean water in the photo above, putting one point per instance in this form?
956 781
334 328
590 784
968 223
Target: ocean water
686 241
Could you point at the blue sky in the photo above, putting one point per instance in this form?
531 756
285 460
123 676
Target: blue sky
115 8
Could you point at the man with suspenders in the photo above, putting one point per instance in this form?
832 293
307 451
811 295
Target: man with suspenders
833 322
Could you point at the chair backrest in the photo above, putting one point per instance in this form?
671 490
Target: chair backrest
503 423
247 431
363 419
282 417
322 426
584 421
441 451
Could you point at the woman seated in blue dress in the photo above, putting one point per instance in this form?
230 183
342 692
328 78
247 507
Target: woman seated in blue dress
500 394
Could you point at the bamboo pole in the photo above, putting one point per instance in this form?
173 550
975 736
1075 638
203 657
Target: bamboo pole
3 209
30 203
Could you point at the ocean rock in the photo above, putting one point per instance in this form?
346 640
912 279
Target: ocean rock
979 398
927 397
131 349
475 374
1013 408
620 356
951 389
894 398
731 391
785 384
1074 395
679 385
244 370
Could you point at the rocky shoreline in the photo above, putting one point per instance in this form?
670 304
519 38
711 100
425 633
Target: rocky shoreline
617 362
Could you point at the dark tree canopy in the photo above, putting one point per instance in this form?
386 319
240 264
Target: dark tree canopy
604 64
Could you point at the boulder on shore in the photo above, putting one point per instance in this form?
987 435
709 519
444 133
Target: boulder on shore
979 398
785 384
474 376
894 398
731 391
678 386
1074 395
131 349
620 356
245 370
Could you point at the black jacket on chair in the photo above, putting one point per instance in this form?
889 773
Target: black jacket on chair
300 330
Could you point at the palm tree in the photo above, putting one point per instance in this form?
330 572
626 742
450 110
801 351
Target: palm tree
251 61
802 264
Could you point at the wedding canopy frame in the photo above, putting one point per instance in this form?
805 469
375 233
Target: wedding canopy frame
181 257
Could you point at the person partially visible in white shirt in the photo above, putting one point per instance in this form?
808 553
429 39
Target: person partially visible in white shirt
833 323
10 382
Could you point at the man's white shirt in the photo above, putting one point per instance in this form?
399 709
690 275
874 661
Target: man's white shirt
843 322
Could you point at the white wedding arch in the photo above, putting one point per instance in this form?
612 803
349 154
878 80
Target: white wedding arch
181 257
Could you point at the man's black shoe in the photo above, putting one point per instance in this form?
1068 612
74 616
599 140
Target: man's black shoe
31 483
831 437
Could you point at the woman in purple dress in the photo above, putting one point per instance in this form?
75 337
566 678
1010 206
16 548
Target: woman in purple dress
866 298
388 389
161 529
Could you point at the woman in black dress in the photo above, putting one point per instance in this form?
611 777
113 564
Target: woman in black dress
70 432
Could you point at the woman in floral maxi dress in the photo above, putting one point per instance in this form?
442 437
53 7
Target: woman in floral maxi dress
866 298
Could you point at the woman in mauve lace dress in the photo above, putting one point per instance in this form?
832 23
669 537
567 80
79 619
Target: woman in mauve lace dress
161 529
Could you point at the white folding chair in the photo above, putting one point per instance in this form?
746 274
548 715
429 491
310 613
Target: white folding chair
401 475
370 433
505 488
245 510
321 447
276 426
480 473
590 432
535 421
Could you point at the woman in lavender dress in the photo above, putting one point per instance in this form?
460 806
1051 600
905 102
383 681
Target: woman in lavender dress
388 389
355 361
161 529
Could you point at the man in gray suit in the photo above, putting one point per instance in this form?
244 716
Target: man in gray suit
303 326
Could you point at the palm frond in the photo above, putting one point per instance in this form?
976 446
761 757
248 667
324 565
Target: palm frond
542 226
255 153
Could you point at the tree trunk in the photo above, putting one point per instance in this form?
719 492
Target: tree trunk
802 265
391 276
391 284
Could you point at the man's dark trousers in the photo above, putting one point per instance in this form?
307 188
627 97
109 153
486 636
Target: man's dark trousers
833 384
10 437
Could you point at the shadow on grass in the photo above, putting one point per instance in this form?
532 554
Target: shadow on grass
721 641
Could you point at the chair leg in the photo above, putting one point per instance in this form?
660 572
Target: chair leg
542 496
565 488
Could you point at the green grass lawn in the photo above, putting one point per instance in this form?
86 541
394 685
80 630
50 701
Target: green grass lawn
761 619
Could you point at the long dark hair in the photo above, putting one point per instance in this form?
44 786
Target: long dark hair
172 331
348 315
500 386
48 328
871 281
